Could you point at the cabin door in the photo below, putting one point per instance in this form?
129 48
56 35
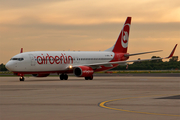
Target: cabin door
33 59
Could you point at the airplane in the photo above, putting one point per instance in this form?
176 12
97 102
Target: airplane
81 63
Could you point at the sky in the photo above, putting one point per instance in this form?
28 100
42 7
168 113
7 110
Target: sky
88 25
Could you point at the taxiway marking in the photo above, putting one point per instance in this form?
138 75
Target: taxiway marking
103 105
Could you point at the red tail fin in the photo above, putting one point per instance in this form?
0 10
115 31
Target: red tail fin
121 44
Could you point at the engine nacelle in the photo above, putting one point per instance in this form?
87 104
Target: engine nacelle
40 75
83 71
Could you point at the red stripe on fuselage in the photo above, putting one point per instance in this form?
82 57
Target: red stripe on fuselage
102 68
42 72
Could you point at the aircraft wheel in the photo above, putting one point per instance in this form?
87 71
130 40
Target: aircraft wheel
89 78
63 77
21 78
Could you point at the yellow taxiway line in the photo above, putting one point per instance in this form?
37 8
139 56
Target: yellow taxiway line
103 105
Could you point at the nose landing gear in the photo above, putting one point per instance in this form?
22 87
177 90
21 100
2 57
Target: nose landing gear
21 78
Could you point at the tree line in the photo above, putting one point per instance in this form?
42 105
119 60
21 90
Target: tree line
2 67
172 64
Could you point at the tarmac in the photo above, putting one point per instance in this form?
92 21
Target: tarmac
104 98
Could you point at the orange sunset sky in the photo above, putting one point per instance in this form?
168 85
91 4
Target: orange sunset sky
88 25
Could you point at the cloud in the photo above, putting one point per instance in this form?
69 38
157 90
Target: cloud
51 37
87 25
14 4
91 34
91 11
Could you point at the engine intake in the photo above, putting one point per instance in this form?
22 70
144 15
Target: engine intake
83 71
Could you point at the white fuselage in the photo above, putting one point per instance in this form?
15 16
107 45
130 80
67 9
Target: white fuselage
53 61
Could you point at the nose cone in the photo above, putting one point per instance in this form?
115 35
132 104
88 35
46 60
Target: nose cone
9 65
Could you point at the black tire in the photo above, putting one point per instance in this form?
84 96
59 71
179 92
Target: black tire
91 78
86 78
66 77
21 78
61 77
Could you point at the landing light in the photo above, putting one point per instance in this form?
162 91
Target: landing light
70 67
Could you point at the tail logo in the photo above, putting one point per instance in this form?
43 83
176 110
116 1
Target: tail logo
125 36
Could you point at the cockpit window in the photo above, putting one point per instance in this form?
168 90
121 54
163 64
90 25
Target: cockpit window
19 59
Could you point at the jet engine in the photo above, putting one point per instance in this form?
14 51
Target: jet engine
40 75
83 71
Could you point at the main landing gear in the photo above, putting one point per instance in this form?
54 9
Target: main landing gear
89 78
63 76
21 78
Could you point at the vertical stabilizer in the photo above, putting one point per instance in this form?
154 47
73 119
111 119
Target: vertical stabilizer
121 44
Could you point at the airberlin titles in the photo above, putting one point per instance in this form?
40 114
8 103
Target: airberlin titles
63 59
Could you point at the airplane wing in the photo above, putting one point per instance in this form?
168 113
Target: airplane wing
127 55
123 62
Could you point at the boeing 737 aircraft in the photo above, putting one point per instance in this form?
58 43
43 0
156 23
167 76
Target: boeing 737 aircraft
82 64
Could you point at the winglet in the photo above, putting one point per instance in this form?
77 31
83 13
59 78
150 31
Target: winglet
172 51
21 50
